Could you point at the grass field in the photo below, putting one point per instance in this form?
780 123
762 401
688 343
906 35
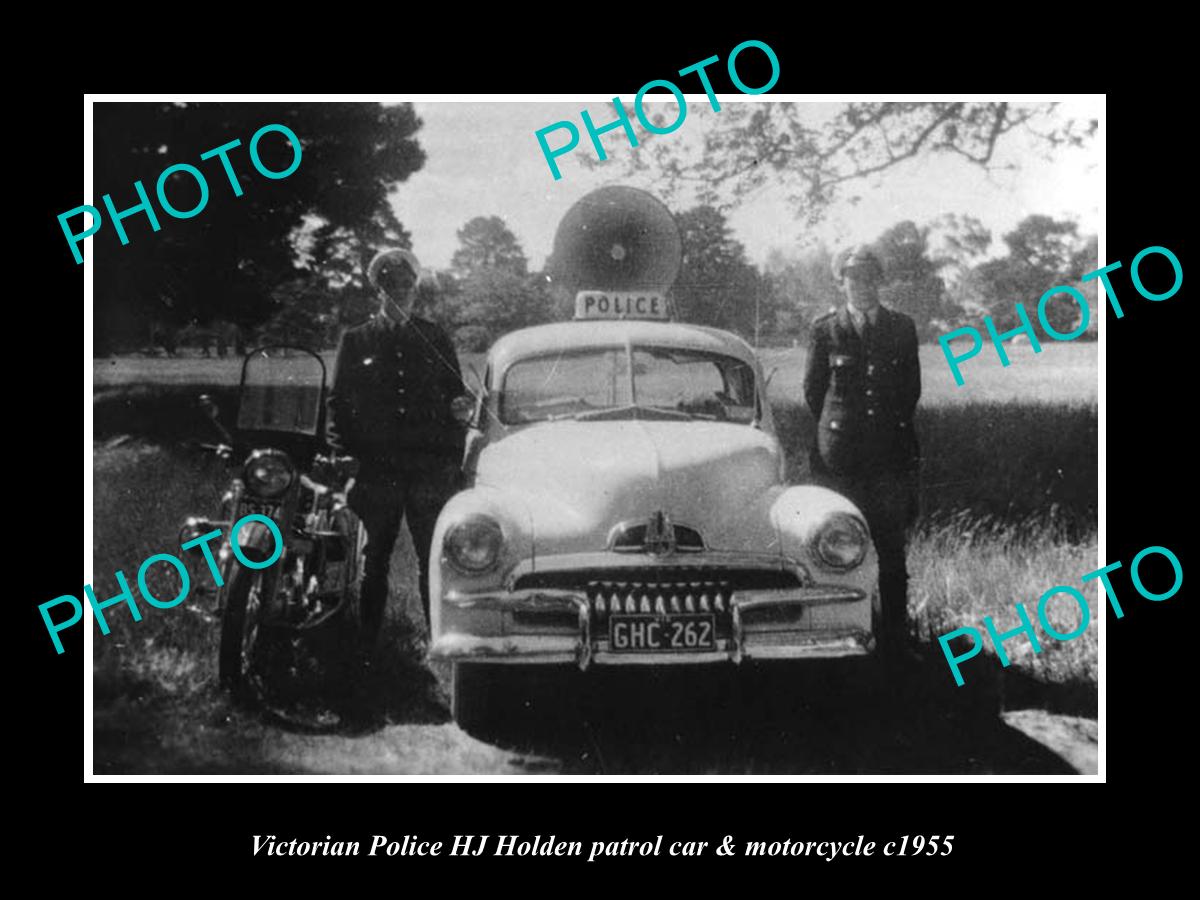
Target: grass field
1009 505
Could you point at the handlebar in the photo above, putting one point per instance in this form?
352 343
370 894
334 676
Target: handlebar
224 451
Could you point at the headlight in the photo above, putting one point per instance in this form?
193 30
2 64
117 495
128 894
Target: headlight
268 473
842 542
473 545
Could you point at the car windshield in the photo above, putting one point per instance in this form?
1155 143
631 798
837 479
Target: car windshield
595 383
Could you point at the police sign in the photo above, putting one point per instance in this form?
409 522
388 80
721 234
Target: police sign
620 305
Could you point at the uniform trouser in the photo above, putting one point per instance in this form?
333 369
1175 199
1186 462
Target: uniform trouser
414 487
889 502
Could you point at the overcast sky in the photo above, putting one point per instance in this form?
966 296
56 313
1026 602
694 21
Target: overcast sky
483 159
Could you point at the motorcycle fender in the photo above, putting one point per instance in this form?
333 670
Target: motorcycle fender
256 541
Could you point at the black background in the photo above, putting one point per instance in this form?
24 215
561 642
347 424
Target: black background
1016 836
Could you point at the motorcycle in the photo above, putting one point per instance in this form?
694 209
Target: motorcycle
284 471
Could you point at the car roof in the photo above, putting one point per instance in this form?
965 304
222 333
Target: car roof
579 334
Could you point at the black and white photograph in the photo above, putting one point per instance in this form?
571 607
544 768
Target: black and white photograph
722 433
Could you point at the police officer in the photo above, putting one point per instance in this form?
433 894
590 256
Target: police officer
862 383
390 406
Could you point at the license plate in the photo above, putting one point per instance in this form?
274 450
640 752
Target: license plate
663 634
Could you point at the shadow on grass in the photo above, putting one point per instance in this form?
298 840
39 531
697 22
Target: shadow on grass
815 718
322 685
1021 690
1014 687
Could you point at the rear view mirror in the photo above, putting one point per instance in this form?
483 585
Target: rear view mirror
209 407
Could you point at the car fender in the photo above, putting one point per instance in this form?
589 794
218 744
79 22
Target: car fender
798 514
510 510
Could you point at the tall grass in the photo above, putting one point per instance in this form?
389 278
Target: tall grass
1004 462
1008 504
966 567
142 493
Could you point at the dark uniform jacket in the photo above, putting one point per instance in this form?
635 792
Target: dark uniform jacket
863 393
392 392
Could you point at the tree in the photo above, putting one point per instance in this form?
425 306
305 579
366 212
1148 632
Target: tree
487 243
489 290
1043 243
911 282
492 302
227 261
716 286
801 288
1087 259
306 316
1043 253
956 243
809 158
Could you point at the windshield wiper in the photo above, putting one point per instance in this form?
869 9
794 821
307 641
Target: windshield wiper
615 412
558 417
663 412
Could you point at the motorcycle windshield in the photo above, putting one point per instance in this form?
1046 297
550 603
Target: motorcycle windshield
282 390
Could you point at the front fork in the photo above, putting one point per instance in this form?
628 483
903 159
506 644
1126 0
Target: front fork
255 541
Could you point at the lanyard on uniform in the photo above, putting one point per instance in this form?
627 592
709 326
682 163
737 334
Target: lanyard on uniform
408 322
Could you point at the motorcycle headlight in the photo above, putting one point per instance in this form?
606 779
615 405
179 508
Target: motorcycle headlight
268 473
473 545
842 542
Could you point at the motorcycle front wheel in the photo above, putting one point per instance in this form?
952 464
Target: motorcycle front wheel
239 627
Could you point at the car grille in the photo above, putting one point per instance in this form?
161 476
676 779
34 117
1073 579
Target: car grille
660 598
665 590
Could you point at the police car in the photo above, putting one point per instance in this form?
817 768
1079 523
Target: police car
628 507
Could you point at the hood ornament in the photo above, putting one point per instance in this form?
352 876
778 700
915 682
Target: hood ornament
660 535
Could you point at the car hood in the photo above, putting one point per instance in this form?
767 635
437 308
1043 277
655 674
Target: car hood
579 479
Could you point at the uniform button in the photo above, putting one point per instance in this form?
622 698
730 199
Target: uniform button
870 412
870 369
870 393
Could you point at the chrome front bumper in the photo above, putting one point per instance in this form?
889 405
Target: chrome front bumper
585 648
